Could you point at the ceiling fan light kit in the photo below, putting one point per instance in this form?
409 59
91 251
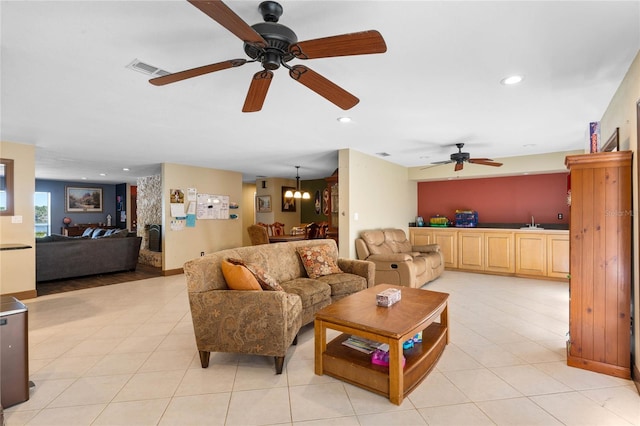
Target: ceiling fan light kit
274 45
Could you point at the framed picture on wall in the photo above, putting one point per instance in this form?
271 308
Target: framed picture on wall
83 200
288 204
613 143
263 203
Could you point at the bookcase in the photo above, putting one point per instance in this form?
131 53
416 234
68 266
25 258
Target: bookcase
600 263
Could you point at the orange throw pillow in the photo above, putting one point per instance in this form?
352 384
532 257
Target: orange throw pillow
238 277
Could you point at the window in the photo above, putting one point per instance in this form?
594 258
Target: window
42 203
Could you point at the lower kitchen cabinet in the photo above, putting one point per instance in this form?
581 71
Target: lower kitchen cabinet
471 251
499 253
537 253
531 254
558 256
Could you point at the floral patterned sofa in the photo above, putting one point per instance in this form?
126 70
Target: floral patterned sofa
266 320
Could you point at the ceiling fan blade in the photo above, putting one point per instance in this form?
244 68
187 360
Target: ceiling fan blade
459 166
195 72
484 162
223 15
361 43
257 91
323 87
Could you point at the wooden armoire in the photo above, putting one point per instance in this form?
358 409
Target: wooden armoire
600 263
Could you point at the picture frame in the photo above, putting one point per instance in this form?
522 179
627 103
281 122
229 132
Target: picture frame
263 203
288 204
613 143
83 200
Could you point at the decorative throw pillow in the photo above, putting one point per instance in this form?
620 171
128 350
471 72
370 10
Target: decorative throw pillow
318 261
266 281
238 277
87 232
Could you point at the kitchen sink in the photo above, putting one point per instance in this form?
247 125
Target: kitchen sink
531 227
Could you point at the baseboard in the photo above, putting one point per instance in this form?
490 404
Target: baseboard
22 295
635 376
172 272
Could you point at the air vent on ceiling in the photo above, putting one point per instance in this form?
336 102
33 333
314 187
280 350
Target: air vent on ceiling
147 69
383 154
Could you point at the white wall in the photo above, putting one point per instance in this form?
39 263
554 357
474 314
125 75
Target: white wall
208 235
377 191
18 267
248 211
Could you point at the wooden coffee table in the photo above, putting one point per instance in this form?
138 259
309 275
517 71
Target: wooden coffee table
358 314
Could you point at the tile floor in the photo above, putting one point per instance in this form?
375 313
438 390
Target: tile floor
125 355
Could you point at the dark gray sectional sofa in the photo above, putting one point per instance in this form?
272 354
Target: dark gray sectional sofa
60 257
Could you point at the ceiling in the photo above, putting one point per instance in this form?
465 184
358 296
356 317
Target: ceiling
67 90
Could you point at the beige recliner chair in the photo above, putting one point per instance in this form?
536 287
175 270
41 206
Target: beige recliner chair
397 261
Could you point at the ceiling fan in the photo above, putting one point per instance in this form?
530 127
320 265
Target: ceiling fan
273 44
460 157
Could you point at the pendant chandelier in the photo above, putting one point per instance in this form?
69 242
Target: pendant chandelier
297 194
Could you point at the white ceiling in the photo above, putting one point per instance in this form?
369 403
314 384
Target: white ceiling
66 89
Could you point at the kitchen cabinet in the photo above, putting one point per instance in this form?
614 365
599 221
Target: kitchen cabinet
531 253
471 251
447 238
558 256
499 252
600 263
448 242
421 236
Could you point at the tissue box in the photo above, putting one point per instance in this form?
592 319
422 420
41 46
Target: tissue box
388 297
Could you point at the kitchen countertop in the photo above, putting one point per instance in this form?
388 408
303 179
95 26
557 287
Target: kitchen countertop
512 226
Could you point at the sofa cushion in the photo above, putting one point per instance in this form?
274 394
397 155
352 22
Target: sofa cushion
310 291
376 242
344 284
97 232
397 240
87 232
266 281
317 261
238 277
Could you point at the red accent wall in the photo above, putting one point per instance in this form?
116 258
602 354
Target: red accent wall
498 200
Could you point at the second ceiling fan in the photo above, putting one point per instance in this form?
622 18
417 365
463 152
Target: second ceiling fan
273 44
461 157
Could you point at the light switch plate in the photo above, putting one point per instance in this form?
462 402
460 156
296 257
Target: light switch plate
16 219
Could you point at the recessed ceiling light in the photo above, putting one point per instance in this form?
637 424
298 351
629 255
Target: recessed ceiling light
103 174
83 178
512 79
344 119
125 169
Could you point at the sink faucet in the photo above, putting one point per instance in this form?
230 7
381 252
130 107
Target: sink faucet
533 223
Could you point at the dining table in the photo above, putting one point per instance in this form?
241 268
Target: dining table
286 238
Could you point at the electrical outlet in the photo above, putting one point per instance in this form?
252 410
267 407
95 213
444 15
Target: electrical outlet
560 216
201 253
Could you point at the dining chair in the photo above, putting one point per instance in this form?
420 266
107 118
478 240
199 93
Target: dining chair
258 235
312 231
265 226
277 229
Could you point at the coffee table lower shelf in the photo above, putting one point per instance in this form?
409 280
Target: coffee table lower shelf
355 367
